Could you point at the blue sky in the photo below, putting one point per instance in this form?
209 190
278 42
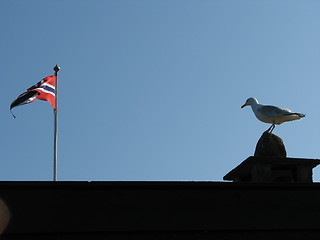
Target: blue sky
151 90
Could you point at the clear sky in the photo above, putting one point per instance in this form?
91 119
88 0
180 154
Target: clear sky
151 90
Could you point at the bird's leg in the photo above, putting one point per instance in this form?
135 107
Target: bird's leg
272 127
269 129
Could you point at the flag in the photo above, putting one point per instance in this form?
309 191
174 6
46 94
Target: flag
43 90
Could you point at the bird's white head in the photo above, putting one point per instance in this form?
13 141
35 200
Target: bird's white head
250 101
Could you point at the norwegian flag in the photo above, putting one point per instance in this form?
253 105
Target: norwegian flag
43 90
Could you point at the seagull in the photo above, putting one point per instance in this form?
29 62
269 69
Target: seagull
271 114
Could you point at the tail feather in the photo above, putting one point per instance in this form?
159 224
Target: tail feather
301 115
297 115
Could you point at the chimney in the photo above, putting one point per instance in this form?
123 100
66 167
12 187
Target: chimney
270 164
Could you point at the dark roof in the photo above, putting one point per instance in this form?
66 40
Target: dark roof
65 208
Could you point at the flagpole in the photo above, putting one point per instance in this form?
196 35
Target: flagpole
55 152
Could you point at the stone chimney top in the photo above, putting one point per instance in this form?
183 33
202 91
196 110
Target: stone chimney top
273 169
270 164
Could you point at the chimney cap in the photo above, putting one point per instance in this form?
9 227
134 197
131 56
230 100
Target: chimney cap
272 169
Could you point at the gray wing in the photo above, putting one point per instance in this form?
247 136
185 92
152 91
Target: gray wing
272 111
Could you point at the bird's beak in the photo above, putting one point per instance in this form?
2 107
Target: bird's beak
244 105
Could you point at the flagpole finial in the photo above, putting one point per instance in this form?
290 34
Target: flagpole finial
56 68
